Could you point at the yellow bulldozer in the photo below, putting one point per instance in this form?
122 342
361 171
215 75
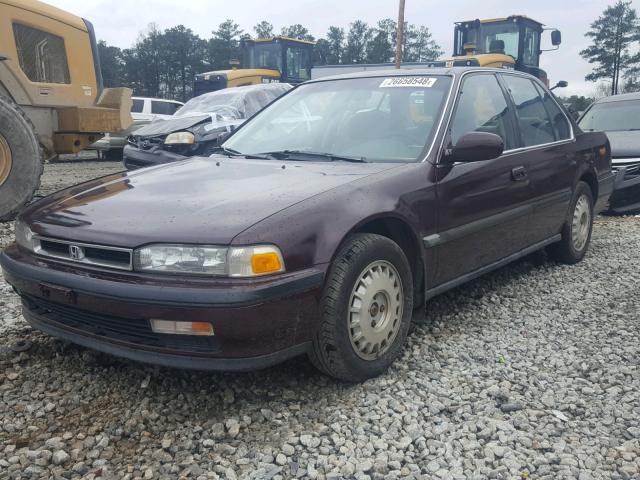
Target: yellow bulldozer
511 42
52 99
265 60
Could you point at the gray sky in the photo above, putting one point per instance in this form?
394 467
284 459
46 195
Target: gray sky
120 21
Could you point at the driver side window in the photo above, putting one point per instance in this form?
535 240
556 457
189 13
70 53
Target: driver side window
482 107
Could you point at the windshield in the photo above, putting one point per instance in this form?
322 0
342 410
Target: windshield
265 55
495 38
612 116
378 119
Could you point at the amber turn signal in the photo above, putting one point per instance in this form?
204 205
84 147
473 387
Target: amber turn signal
602 151
266 262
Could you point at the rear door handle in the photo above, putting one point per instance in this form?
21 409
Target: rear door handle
518 174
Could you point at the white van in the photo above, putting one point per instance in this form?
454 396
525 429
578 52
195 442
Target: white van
144 110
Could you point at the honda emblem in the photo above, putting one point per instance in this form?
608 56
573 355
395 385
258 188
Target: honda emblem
75 252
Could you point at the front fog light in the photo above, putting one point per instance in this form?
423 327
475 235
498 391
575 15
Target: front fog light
181 328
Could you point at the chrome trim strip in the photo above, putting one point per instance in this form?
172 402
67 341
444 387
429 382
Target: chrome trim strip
38 250
445 105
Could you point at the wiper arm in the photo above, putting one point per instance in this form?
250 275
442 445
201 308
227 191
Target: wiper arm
230 152
287 154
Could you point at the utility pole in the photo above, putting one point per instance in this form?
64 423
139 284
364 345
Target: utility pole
400 37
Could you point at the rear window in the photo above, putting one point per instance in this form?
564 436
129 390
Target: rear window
137 106
41 55
164 108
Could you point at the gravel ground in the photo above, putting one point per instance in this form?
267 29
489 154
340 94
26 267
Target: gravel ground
529 372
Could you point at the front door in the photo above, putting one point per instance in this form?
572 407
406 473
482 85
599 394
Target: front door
483 207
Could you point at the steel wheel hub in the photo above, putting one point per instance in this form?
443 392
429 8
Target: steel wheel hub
581 223
5 160
375 310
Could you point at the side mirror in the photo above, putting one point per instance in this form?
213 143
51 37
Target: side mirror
476 147
556 38
560 84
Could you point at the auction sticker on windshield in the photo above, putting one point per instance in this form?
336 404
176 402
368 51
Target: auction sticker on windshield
408 82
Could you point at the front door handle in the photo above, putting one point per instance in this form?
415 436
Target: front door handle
518 174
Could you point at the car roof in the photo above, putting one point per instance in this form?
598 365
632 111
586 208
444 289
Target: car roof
392 72
620 97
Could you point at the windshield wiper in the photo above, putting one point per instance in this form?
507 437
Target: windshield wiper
230 152
288 154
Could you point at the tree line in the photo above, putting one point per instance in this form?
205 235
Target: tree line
163 63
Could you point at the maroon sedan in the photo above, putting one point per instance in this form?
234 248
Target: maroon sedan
321 226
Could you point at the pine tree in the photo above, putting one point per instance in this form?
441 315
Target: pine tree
614 34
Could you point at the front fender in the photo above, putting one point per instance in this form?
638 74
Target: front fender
310 232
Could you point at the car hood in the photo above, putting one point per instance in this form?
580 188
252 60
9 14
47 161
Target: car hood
165 127
200 200
624 144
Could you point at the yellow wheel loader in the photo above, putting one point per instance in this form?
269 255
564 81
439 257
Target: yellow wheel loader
511 42
265 60
52 100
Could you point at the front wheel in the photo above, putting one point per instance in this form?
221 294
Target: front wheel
576 232
366 309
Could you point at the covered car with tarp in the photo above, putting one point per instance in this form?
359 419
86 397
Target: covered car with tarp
196 128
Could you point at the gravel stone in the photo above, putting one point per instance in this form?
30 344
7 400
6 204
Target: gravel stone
528 372
60 457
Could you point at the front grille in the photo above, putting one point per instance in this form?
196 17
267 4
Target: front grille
110 328
631 166
89 254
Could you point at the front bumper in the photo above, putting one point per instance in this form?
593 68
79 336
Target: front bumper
256 323
134 157
626 191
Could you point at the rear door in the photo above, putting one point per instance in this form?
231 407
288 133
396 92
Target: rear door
547 148
483 207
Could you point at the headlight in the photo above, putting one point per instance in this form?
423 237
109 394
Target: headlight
180 138
249 261
24 236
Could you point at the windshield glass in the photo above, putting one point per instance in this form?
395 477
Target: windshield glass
380 119
495 38
265 55
612 116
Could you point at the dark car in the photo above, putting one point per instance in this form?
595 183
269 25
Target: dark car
195 129
326 221
619 117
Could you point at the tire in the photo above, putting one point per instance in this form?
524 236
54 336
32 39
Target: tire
345 352
576 231
22 177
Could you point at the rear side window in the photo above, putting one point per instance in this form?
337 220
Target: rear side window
41 55
559 120
534 122
482 108
137 106
164 108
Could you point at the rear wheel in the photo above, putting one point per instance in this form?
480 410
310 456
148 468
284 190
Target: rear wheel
366 309
576 232
20 159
